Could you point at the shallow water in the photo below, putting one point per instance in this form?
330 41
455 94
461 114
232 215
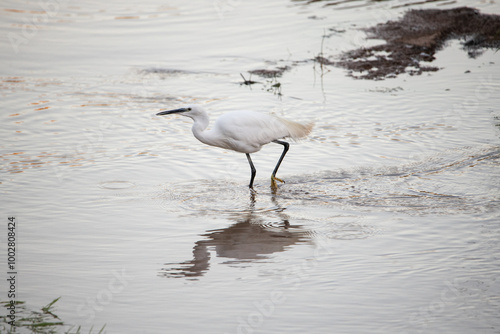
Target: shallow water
387 222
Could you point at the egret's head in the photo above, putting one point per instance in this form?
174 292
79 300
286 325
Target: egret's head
191 111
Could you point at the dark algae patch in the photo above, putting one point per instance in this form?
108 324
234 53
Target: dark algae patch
416 38
274 73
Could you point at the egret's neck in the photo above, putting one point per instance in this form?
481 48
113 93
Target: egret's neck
199 127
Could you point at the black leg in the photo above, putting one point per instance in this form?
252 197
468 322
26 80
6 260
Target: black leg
253 170
285 149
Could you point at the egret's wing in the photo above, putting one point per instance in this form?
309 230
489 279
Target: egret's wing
251 130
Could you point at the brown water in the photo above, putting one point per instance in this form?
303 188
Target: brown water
388 221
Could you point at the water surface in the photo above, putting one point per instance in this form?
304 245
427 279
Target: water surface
387 222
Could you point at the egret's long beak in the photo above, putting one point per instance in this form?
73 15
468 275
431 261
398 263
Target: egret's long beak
175 111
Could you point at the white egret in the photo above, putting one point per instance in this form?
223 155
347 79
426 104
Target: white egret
243 131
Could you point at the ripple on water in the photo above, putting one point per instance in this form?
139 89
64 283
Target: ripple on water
266 222
433 184
116 185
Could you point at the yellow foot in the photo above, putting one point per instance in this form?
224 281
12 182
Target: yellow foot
275 178
273 181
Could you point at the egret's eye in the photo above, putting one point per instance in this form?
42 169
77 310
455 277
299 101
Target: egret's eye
188 109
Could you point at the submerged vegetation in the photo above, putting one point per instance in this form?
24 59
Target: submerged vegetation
271 83
43 321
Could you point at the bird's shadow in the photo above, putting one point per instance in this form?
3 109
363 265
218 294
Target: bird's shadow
253 236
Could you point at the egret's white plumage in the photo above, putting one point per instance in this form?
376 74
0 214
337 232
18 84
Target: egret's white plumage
243 131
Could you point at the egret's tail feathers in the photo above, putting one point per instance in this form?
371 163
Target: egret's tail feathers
297 130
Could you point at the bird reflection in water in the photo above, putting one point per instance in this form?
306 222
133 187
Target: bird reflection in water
254 236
